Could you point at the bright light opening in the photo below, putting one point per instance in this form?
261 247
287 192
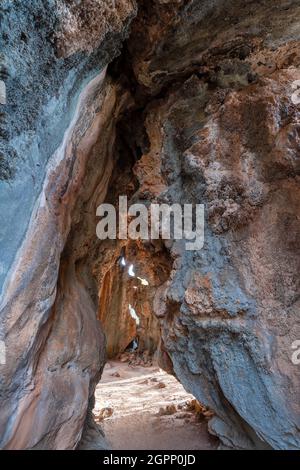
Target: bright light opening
134 314
131 271
144 282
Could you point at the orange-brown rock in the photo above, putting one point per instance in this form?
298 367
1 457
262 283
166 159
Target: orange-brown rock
199 108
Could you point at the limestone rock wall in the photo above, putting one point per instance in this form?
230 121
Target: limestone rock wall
119 292
224 131
57 126
203 90
219 311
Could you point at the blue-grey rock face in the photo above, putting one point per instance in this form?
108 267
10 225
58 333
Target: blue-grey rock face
220 309
42 91
226 134
58 104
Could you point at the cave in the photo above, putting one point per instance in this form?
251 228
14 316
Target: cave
164 102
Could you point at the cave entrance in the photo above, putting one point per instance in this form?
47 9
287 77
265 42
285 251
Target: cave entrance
139 405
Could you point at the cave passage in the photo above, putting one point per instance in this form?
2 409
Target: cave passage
186 102
138 405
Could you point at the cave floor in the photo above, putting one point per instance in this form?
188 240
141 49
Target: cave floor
144 408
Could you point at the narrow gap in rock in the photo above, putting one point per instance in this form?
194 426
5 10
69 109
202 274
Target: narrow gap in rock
137 403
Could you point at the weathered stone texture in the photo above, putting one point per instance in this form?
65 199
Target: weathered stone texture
200 108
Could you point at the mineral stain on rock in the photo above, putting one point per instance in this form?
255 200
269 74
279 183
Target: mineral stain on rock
180 101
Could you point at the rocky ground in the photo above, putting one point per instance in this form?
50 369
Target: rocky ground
142 407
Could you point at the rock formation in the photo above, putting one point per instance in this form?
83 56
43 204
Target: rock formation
180 101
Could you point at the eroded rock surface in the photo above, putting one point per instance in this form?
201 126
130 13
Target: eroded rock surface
119 293
198 109
59 114
220 309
